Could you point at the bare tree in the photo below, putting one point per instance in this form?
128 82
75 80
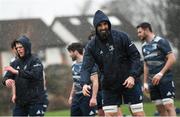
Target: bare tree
173 24
136 11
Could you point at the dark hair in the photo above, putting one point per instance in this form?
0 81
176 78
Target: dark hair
13 44
145 25
76 47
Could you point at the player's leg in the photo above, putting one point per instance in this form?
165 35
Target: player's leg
100 111
85 107
75 107
119 113
160 107
134 97
168 93
19 111
155 96
111 100
169 106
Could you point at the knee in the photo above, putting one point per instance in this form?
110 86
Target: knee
169 107
168 103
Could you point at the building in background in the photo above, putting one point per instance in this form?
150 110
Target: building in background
45 42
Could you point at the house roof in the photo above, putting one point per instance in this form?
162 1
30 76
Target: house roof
81 26
40 34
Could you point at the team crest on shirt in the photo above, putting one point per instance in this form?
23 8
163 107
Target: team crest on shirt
154 46
146 51
76 69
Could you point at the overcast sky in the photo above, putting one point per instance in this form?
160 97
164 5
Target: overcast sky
44 9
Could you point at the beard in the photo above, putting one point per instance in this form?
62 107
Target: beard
103 34
73 58
143 38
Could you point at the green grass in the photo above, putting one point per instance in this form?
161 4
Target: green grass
148 107
58 113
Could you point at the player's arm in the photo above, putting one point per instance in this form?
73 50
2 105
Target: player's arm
171 59
134 58
145 85
95 86
11 69
165 48
71 94
13 99
8 78
87 66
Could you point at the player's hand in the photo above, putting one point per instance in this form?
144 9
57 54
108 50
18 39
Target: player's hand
9 83
156 79
93 102
86 90
129 82
11 69
146 88
70 100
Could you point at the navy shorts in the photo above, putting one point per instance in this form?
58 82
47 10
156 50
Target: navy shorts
80 106
31 110
165 89
128 96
